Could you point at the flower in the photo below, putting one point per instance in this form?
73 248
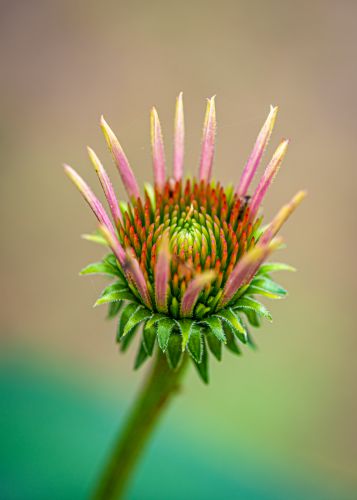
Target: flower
188 257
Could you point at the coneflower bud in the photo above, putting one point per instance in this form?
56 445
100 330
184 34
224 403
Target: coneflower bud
187 257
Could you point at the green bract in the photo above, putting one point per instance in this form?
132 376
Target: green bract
197 337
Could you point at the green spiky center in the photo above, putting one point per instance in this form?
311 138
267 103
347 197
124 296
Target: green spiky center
209 229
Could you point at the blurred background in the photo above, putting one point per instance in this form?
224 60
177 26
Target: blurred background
274 424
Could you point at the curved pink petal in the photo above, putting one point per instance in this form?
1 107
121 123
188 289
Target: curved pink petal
122 163
162 274
243 272
114 244
158 153
257 153
179 139
281 217
106 185
193 290
134 273
208 141
90 198
268 249
267 178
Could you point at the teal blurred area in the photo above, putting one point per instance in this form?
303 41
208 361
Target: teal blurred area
275 423
56 433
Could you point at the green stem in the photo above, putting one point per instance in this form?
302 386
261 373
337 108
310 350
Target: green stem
161 384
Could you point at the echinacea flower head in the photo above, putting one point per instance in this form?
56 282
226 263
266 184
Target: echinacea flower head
188 255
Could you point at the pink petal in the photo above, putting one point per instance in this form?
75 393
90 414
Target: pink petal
121 161
114 244
242 271
90 198
257 153
208 141
268 249
162 274
135 275
193 290
106 185
281 217
158 152
267 178
179 139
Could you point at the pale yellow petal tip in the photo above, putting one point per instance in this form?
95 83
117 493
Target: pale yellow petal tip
154 113
299 197
72 174
281 149
206 277
210 116
102 122
272 117
276 243
94 238
107 131
179 110
153 124
93 157
211 104
254 254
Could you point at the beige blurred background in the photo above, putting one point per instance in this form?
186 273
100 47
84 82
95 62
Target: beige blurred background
64 63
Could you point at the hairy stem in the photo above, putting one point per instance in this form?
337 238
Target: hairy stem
161 384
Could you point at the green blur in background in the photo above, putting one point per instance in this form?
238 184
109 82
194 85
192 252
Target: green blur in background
278 423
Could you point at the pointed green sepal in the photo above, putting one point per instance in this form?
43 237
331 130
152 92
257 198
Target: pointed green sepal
174 351
232 344
185 326
164 329
111 261
250 341
202 367
149 337
140 315
114 308
272 267
267 287
253 318
95 237
247 303
126 314
215 326
234 322
113 293
154 319
98 268
124 342
215 345
141 356
195 344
